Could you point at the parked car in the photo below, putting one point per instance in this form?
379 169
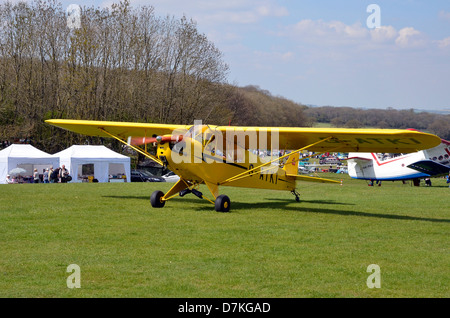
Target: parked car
329 161
171 177
144 176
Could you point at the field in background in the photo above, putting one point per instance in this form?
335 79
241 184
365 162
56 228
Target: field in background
268 246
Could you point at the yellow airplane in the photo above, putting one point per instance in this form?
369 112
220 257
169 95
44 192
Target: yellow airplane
226 155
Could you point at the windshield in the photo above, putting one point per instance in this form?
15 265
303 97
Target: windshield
197 132
202 133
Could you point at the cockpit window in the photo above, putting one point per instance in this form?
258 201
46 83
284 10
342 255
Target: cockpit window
201 133
196 132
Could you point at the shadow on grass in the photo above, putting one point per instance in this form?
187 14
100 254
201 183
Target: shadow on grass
290 205
331 202
147 198
133 197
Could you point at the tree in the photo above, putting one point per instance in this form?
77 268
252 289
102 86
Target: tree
122 64
441 127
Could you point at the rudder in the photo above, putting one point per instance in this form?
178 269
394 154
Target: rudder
291 165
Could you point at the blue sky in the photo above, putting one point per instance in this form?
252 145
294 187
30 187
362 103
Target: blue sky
322 52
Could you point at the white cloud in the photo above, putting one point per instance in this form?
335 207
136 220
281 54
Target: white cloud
350 31
383 34
272 10
218 12
326 33
288 56
338 34
243 13
409 38
444 43
444 15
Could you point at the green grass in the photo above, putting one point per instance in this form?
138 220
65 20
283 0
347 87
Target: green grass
268 246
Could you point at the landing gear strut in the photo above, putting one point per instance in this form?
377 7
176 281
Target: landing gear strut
158 198
297 195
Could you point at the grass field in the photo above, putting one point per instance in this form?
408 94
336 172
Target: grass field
268 246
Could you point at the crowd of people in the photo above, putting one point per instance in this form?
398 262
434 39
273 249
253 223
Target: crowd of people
4 144
49 175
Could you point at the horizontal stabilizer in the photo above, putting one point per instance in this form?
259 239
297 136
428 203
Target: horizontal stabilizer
311 179
430 167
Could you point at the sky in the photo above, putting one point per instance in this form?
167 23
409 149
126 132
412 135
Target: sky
322 52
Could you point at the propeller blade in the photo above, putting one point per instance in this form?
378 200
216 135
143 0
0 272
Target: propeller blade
138 141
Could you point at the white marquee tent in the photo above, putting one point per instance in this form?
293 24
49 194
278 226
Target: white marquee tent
100 161
26 157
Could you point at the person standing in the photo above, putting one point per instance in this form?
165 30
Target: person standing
50 172
63 173
36 176
46 175
54 175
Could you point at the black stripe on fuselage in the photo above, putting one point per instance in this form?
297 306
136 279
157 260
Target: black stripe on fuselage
221 161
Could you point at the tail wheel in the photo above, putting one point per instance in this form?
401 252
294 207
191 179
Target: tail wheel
297 195
156 199
222 203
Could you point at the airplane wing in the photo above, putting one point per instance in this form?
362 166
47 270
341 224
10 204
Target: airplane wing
430 167
338 139
120 129
289 138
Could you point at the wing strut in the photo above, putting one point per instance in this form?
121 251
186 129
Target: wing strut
249 172
143 152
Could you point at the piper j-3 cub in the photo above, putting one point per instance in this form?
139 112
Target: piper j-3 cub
223 155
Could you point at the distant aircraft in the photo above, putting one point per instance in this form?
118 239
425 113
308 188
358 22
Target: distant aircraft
427 163
221 155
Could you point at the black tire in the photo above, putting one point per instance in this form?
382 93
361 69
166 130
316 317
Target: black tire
222 203
155 199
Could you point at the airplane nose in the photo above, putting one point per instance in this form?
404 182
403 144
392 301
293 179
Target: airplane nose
159 138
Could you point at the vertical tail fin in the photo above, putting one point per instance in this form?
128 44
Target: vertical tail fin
291 165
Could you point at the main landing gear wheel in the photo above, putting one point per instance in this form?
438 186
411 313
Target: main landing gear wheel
155 199
222 203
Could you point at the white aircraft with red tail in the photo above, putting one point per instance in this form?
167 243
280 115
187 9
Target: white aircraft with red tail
414 166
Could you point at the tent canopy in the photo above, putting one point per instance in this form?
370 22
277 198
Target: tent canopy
24 156
100 161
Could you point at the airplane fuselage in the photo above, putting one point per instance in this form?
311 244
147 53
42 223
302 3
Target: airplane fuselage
195 163
371 166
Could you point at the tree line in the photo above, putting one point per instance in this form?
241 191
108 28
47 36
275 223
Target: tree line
348 117
126 64
120 63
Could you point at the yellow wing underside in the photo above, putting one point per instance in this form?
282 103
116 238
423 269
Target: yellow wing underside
120 129
289 138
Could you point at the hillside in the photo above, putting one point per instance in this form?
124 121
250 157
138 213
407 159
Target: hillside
348 117
252 106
